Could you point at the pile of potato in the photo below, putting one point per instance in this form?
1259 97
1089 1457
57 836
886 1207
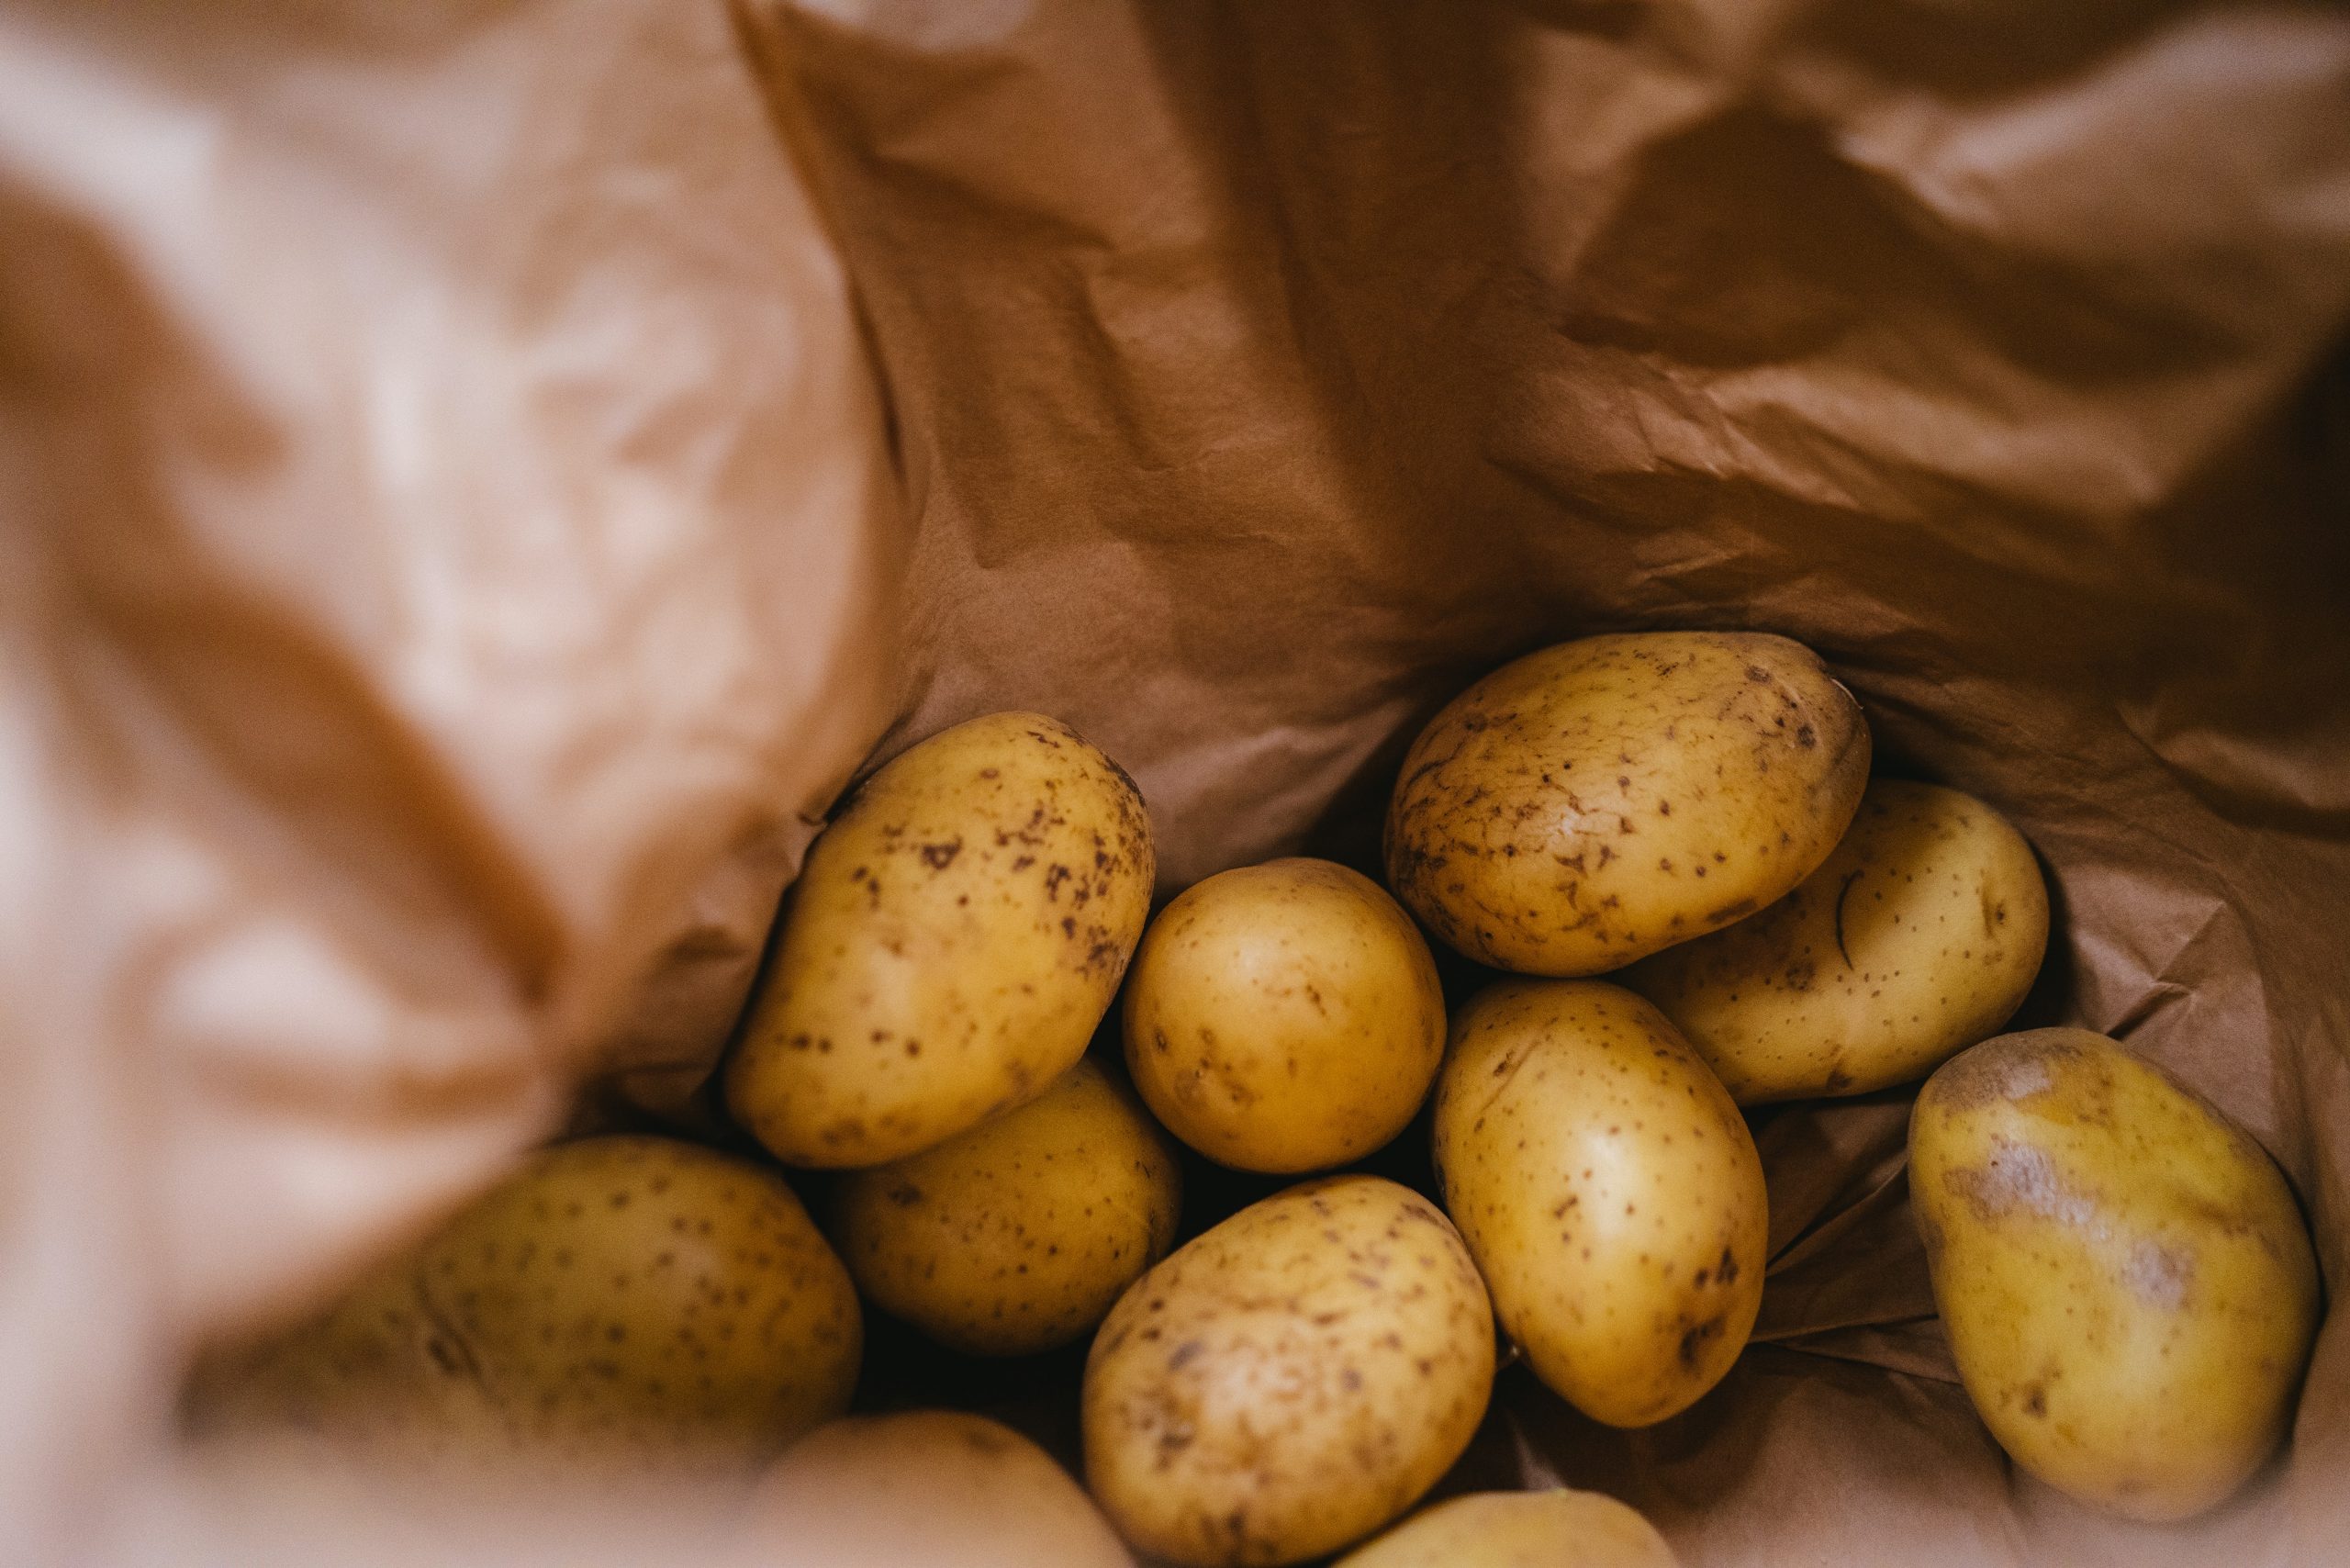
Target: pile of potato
2128 1286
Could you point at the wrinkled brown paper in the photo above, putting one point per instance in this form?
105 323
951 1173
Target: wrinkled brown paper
457 559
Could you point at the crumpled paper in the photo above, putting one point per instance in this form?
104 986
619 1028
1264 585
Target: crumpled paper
462 557
450 560
1264 374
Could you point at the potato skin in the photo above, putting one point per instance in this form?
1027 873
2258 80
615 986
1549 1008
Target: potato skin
1609 1190
2126 1279
1290 1381
1284 1018
1020 1234
632 1301
958 931
1918 937
937 1487
1554 1528
1599 800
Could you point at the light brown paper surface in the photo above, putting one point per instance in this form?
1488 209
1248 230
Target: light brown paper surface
451 550
444 553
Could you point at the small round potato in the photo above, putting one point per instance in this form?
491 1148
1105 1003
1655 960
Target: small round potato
1609 1190
1600 801
934 1487
2127 1284
1290 1381
1919 936
1557 1529
958 931
1284 1018
635 1301
1018 1235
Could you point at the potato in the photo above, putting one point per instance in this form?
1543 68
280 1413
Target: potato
1018 1235
958 931
1600 801
631 1299
934 1487
1290 1381
1557 1529
1609 1190
1918 936
1284 1018
2126 1281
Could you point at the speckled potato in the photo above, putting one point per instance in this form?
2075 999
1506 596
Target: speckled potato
1557 1529
1284 1018
1609 1190
1918 937
1290 1381
632 1300
1018 1235
958 931
2128 1286
1601 799
938 1488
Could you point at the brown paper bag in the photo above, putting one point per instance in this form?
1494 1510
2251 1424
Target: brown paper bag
1263 373
455 561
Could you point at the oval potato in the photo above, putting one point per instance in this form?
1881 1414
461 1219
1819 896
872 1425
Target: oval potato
1018 1235
1290 1381
935 1487
632 1300
1601 799
1284 1018
1609 1190
1918 937
2126 1281
1554 1528
958 931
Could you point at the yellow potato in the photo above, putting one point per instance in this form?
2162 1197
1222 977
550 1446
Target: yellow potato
1609 1190
1018 1235
958 931
1290 1381
2124 1275
631 1299
1918 937
1557 1529
1600 801
1284 1018
934 1488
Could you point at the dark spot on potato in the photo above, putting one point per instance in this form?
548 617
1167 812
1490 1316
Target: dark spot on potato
2035 1400
1841 893
938 857
1726 1269
1695 1338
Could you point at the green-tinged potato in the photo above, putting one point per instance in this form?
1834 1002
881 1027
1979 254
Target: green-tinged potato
630 1300
934 1487
957 934
1609 1190
1018 1235
1918 937
1290 1381
2127 1287
1284 1018
1600 801
1558 1529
